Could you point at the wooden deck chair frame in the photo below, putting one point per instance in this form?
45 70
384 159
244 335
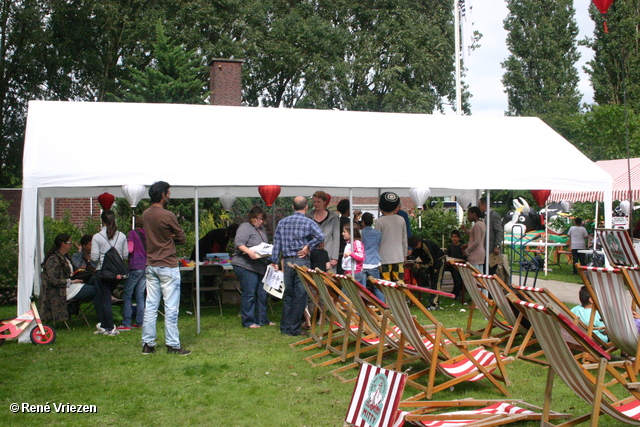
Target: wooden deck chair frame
414 334
376 401
613 298
548 324
544 296
378 318
317 333
480 302
502 306
342 320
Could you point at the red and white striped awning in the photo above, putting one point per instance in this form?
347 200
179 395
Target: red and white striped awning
618 169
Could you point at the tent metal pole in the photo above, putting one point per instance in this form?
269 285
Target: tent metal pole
197 260
487 222
353 262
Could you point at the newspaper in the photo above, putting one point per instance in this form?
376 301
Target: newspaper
262 250
273 282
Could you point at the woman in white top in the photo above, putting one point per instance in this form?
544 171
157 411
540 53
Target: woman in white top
108 237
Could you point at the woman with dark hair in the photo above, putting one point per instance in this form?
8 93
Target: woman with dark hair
108 237
56 276
250 269
474 250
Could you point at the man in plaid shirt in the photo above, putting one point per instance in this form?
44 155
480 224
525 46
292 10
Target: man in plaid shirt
296 235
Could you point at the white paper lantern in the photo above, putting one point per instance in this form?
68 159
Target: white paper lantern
464 200
419 195
566 206
133 193
625 207
227 200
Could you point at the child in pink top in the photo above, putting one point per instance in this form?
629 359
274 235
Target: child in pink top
353 251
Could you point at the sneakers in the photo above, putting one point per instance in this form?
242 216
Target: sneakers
112 332
147 349
102 331
136 326
123 328
179 351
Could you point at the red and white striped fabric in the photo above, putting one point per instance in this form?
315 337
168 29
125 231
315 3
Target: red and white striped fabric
618 247
619 171
495 409
465 366
375 398
631 409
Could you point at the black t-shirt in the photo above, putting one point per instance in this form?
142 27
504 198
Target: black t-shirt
319 258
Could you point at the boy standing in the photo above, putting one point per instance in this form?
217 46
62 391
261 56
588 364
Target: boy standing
393 242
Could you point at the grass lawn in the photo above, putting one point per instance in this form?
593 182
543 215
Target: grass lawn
234 377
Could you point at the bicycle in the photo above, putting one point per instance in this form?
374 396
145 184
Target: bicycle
11 329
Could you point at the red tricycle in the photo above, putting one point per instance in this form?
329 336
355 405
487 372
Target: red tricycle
10 329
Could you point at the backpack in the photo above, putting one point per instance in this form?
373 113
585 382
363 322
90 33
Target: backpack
113 268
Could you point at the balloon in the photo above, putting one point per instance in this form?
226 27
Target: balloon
269 193
566 206
133 193
106 200
419 196
227 200
464 200
541 196
603 5
625 207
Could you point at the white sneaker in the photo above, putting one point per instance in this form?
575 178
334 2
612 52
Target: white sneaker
112 333
100 330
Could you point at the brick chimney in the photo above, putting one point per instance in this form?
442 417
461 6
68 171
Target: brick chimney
225 81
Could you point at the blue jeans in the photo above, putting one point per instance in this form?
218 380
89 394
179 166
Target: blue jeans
253 306
162 282
90 291
294 299
375 272
135 284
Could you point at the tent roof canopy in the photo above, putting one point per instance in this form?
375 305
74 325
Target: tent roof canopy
85 149
619 171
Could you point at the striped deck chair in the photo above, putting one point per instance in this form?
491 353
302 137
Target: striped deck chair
612 299
342 319
591 388
618 247
376 399
470 365
377 316
481 303
316 333
545 297
502 306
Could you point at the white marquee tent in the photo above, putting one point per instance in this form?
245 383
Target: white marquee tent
75 149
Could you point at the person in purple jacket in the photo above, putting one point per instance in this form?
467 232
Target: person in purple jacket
136 284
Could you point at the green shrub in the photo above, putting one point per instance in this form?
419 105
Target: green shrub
9 255
437 223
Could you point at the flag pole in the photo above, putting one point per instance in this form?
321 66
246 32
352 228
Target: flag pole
456 13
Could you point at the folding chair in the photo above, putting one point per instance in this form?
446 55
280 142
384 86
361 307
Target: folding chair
82 312
471 365
543 296
503 307
611 297
481 303
342 319
548 324
211 280
618 247
376 399
378 318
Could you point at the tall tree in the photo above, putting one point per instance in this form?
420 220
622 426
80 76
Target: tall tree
615 67
173 75
22 42
540 77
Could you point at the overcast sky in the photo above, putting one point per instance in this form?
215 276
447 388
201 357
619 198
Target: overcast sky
484 72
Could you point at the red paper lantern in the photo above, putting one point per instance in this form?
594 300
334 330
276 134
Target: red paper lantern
269 193
106 200
603 7
328 199
540 196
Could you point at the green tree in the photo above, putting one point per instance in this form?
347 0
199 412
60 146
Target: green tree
615 67
173 76
540 76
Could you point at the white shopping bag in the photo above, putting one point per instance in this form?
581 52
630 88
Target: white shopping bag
273 282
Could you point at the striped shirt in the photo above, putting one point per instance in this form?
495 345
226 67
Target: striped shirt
292 234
